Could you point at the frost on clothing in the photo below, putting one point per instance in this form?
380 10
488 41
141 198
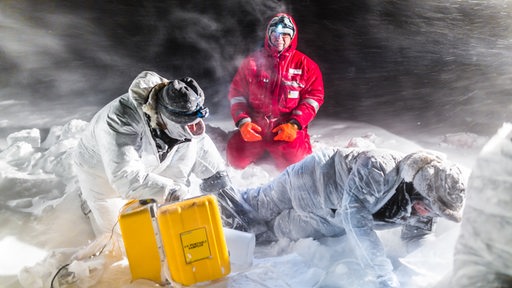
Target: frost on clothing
271 88
483 254
117 157
343 191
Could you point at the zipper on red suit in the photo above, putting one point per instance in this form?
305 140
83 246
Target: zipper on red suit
282 63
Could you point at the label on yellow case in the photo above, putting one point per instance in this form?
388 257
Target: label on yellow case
195 245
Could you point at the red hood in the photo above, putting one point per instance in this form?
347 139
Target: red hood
293 45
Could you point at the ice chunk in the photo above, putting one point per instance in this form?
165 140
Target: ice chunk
31 136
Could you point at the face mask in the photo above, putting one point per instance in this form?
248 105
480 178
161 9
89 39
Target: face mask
196 128
184 131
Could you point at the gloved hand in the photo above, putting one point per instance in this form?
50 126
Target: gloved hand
286 132
233 209
250 132
175 193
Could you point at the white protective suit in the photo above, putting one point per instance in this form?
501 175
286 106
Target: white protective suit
338 191
116 158
483 253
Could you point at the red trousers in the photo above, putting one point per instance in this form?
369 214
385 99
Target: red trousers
240 153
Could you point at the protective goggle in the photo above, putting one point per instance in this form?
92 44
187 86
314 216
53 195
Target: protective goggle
184 117
281 24
416 196
201 112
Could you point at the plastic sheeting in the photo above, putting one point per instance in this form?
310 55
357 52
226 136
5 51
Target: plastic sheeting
483 254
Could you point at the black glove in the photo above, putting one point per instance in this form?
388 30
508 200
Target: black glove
233 211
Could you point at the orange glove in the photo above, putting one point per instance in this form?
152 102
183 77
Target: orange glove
250 132
286 132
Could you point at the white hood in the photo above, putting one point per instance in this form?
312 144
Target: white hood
438 180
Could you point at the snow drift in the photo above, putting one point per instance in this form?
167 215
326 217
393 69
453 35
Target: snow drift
44 227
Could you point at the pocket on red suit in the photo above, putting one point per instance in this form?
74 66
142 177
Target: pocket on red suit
290 97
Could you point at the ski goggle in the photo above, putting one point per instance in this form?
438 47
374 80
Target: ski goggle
184 117
281 24
201 112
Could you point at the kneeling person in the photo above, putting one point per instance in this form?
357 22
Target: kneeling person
146 144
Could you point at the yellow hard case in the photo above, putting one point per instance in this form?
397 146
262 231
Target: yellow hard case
193 240
139 230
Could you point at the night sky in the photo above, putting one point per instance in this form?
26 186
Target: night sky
409 64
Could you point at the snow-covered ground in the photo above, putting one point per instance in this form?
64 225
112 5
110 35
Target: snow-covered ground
42 224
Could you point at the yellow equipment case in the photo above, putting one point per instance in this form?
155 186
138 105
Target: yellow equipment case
142 242
193 240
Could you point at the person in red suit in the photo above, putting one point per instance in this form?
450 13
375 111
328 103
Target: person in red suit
275 94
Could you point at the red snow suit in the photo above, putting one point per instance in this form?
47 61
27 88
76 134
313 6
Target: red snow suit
269 89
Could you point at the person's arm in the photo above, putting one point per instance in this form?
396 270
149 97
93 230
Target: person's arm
234 210
311 97
238 96
210 167
120 143
358 224
364 188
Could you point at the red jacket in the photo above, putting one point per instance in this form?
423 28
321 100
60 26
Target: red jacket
271 88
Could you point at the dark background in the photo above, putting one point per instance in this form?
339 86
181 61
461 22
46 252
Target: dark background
402 65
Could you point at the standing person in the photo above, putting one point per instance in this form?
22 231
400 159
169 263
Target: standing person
274 95
145 144
483 253
334 192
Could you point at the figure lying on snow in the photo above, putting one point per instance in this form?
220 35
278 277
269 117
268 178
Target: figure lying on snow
146 144
343 191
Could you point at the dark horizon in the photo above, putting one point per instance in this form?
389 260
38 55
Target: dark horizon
395 64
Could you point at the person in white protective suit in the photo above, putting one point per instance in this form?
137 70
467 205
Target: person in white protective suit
145 144
334 192
483 253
